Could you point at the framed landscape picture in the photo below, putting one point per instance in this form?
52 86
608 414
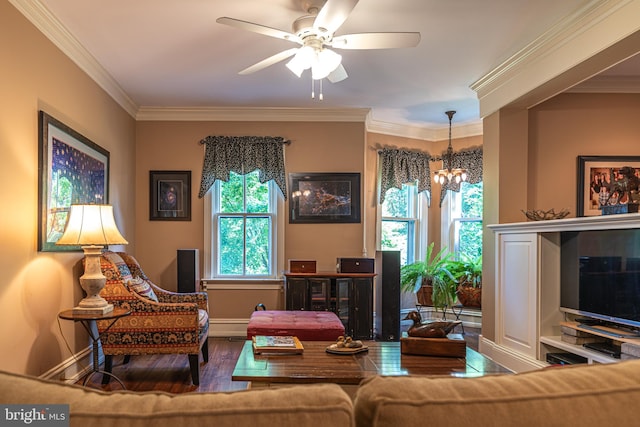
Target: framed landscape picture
596 175
72 170
324 198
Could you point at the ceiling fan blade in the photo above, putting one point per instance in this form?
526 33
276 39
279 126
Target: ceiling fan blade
333 14
376 40
337 75
257 28
269 61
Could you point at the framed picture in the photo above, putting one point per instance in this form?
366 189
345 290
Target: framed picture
324 198
596 176
71 170
170 196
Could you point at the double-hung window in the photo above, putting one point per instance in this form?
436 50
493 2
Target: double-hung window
403 222
244 227
462 220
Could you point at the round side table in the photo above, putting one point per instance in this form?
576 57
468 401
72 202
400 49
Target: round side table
87 320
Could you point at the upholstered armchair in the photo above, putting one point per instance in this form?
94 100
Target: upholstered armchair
161 322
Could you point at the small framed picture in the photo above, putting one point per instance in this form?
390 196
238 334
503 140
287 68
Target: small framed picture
170 196
597 179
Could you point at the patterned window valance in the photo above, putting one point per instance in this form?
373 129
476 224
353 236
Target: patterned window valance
471 160
402 167
243 154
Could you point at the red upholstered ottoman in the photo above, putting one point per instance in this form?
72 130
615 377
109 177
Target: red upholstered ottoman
306 325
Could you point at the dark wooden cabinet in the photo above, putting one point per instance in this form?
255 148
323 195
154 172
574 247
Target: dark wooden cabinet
349 295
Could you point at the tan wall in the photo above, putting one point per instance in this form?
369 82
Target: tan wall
315 147
35 286
572 125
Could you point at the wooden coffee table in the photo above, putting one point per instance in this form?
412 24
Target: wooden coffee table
315 365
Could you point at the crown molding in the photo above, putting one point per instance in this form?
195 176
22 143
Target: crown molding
553 52
608 84
425 133
53 29
244 114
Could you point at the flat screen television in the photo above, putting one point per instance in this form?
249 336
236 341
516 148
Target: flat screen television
600 275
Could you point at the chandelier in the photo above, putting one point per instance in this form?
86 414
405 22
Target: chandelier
448 173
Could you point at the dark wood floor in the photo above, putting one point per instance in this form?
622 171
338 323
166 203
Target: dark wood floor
170 373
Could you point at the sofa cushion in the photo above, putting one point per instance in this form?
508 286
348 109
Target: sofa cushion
121 266
306 325
580 395
320 405
142 288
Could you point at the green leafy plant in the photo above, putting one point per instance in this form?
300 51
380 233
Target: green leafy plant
469 271
468 274
432 271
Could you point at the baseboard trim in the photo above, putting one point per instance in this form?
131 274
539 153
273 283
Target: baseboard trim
512 360
73 368
220 327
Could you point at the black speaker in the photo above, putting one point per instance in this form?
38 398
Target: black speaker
188 270
387 296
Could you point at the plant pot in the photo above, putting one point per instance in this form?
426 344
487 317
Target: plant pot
424 295
469 296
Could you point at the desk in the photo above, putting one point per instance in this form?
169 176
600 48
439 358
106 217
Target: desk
87 320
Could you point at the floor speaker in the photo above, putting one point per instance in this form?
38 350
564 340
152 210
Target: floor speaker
387 296
188 270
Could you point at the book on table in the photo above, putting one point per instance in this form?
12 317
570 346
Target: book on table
277 344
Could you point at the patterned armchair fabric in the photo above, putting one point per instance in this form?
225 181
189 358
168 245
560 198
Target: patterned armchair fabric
161 322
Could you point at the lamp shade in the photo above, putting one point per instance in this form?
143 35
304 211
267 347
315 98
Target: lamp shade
91 225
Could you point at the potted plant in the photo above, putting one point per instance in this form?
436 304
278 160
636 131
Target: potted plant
469 277
430 279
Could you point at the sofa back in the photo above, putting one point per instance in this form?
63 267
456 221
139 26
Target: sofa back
580 395
320 405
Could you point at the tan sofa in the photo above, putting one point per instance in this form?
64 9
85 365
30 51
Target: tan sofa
593 395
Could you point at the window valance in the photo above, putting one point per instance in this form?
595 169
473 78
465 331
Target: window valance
403 166
243 154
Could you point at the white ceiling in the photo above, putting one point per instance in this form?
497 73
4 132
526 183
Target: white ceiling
172 53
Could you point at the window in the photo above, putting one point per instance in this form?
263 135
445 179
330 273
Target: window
462 220
402 218
243 234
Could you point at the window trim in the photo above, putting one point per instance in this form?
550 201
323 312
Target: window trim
421 201
452 204
277 236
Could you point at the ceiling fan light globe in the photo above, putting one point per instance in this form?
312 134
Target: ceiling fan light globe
327 61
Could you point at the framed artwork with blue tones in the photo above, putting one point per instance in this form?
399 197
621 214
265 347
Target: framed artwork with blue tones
72 170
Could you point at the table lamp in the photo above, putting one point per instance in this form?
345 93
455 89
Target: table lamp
92 227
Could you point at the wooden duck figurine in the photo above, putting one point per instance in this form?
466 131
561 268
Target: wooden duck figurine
435 329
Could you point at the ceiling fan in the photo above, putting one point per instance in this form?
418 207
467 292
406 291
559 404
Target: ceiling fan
315 33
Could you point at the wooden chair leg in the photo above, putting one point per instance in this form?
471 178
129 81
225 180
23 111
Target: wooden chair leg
195 369
108 367
205 350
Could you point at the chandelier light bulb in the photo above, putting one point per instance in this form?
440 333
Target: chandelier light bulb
458 179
